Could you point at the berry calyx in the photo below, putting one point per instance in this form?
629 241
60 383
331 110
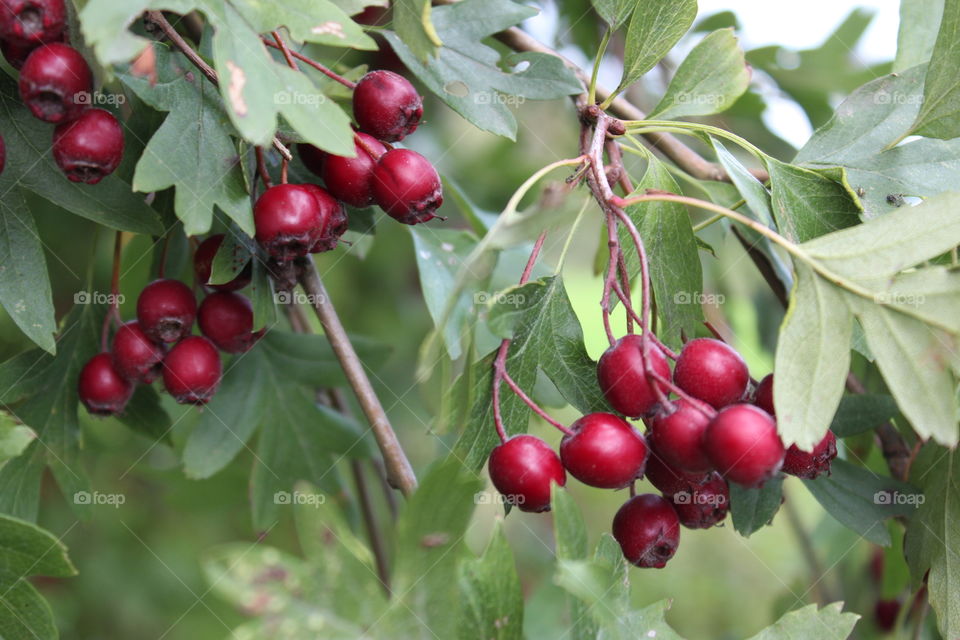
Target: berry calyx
710 370
522 469
743 445
623 380
226 318
407 186
763 395
678 436
102 390
166 310
604 451
704 504
203 266
32 22
810 464
55 83
288 221
192 371
335 215
135 356
349 179
89 148
648 530
386 105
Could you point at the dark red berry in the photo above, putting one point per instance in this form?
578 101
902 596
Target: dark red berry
703 504
27 22
712 371
743 445
670 480
89 148
166 310
678 436
804 464
191 371
55 83
16 54
648 530
135 356
763 396
203 266
349 179
522 469
312 158
621 376
386 105
885 614
406 186
604 451
227 319
333 211
289 221
103 391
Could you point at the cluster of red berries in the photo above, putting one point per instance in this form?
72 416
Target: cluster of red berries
159 342
723 431
293 220
56 84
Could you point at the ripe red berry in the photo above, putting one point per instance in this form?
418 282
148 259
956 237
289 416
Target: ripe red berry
166 310
289 221
102 390
885 613
604 451
670 480
406 186
333 211
704 504
55 83
349 179
191 371
386 105
312 158
763 396
227 319
135 356
743 445
622 378
89 148
16 54
27 22
711 371
678 436
804 464
203 266
648 530
522 469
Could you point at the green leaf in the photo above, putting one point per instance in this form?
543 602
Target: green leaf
105 23
939 115
145 414
20 482
753 509
262 296
570 533
353 7
319 21
862 412
709 80
235 252
615 12
919 22
655 27
806 204
807 623
415 28
491 594
14 438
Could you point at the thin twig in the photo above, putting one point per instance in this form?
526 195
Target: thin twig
316 65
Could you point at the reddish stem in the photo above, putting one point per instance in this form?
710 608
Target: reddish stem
113 313
349 84
262 168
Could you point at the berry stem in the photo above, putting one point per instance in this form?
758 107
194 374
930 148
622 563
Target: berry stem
349 84
113 313
262 168
283 48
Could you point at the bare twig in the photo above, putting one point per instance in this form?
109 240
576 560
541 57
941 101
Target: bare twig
316 65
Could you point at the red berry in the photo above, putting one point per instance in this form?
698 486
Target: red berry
386 105
885 614
16 54
763 396
289 221
55 83
670 480
743 445
648 530
704 504
89 148
406 186
678 436
333 211
312 158
191 371
622 379
203 266
103 391
227 319
135 356
32 21
711 371
522 469
811 464
604 451
349 179
166 310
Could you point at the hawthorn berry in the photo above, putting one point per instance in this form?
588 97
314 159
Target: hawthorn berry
670 480
623 380
226 318
386 105
192 370
333 211
349 179
89 148
312 157
26 22
763 395
135 356
604 451
743 445
810 464
55 82
407 186
703 504
710 370
16 54
166 310
203 266
288 221
885 614
678 436
522 469
648 530
102 390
